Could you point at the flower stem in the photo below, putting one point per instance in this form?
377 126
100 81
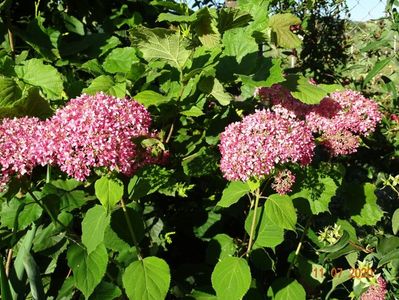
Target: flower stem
131 231
44 207
298 248
253 224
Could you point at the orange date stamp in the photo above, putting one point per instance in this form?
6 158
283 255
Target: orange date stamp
357 273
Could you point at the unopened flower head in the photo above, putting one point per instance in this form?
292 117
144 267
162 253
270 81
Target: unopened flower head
283 182
253 147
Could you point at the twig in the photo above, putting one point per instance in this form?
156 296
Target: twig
8 262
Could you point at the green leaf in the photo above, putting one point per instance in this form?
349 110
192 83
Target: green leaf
148 98
147 279
280 25
17 277
67 184
106 291
119 225
18 214
220 95
31 104
376 70
292 289
318 194
73 24
163 44
238 43
176 18
148 180
93 227
281 211
194 111
46 77
120 60
370 213
231 278
233 192
106 84
88 269
305 91
109 191
267 234
9 91
4 283
220 247
206 27
389 257
33 273
337 280
343 241
395 221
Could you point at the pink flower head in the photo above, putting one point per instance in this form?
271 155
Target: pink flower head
254 146
99 131
283 182
21 147
376 291
344 111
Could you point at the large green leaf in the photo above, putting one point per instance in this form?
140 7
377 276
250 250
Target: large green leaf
281 211
238 42
106 84
148 98
231 278
147 279
93 227
120 60
31 104
9 91
370 213
280 25
18 214
286 288
88 269
233 192
34 278
206 27
4 284
220 247
46 77
163 44
318 194
267 234
109 191
305 91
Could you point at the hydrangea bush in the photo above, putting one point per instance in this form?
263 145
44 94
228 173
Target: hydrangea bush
152 151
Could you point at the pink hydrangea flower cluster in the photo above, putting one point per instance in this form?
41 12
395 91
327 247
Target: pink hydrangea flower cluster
89 132
339 120
376 291
285 133
254 146
21 147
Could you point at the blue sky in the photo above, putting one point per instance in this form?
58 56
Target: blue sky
363 10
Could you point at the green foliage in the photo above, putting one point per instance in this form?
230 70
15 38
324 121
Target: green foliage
147 279
179 229
231 278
